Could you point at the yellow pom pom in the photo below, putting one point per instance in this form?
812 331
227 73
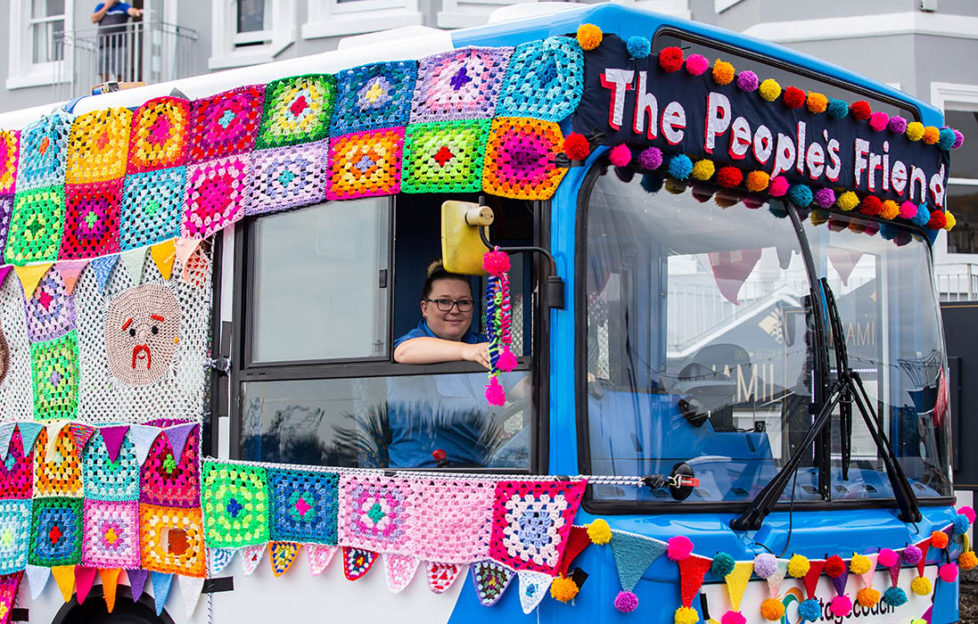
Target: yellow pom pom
686 615
968 560
818 217
817 102
847 201
723 72
868 597
703 169
773 609
770 90
931 135
599 531
757 181
860 564
798 566
564 589
951 221
675 186
890 210
915 130
921 586
589 36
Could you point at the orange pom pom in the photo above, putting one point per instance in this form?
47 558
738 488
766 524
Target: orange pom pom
723 72
589 36
931 135
757 181
772 609
968 560
938 539
817 102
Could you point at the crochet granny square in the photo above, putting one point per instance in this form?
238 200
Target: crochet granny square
6 212
373 96
166 481
98 146
287 177
15 532
235 504
159 135
17 470
111 534
455 520
36 226
54 376
50 311
57 467
91 220
56 532
366 164
521 158
215 195
297 110
461 84
9 149
43 152
106 479
172 540
152 204
444 157
377 513
545 79
303 506
225 124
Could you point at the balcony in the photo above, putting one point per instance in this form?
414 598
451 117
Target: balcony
957 281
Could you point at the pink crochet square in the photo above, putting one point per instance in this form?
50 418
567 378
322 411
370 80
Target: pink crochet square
378 513
455 520
215 195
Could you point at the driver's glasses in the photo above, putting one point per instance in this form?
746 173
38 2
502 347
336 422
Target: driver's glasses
446 305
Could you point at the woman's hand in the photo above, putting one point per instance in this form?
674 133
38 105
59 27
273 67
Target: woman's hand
476 353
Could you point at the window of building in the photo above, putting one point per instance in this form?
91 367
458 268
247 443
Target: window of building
37 51
248 32
962 191
331 18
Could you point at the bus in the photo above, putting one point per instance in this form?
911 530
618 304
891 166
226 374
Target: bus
677 352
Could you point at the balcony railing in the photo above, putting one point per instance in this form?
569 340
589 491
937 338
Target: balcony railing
957 281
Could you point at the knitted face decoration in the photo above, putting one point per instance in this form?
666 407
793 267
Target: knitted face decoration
141 333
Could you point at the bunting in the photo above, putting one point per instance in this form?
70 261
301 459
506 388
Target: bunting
110 581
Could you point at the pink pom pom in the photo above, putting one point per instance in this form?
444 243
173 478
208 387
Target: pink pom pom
507 361
958 140
696 64
680 547
968 513
948 572
825 197
912 555
495 262
495 395
650 158
841 606
908 210
733 617
626 601
878 121
779 186
620 155
888 558
897 125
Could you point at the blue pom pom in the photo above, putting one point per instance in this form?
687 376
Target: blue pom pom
810 610
651 183
680 166
961 524
837 109
723 564
922 216
888 231
947 139
894 596
640 47
800 195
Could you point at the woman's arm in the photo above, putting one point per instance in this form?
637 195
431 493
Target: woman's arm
426 350
98 15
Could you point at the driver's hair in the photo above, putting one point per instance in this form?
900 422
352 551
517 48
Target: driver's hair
437 272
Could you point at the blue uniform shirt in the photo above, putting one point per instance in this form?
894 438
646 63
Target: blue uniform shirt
422 331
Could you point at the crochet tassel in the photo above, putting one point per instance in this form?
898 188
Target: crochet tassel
498 322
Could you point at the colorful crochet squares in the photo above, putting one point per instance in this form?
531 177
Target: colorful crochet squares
15 531
172 540
111 534
43 148
462 84
531 521
377 513
235 504
106 479
303 506
57 466
455 521
50 311
225 123
215 196
152 203
444 157
97 146
365 164
521 158
56 532
165 480
91 220
545 79
9 149
54 376
6 212
373 96
17 471
287 177
159 135
297 110
36 225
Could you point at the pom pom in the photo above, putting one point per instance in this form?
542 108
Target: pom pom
810 610
938 539
650 158
816 102
563 589
703 169
897 125
670 59
948 572
697 64
923 215
888 558
818 218
947 139
891 210
675 186
798 566
589 36
878 121
576 146
861 110
626 602
958 139
778 187
867 597
835 566
620 155
495 395
599 532
726 199
794 97
495 262
825 197
841 606
639 47
623 174
747 81
651 183
680 547
937 221
860 564
915 130
968 513
912 555
871 206
765 565
950 221
800 195
723 564
723 72
968 560
507 361
837 109
895 597
729 177
908 210
686 615
770 90
680 166
931 135
772 610
757 181
733 617
921 586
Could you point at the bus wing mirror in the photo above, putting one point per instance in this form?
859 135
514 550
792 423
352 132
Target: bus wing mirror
462 246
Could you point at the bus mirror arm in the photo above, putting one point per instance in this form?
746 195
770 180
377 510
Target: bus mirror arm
553 284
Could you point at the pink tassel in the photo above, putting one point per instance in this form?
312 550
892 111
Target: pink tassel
495 394
507 361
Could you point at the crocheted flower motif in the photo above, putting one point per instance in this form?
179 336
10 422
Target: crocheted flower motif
159 134
520 159
454 520
54 377
444 157
172 540
141 332
287 177
365 164
152 203
107 479
91 220
111 534
461 84
57 468
373 96
375 513
17 471
531 521
50 311
36 226
303 506
235 503
56 532
9 149
225 124
215 196
545 79
15 531
98 145
43 151
297 110
165 481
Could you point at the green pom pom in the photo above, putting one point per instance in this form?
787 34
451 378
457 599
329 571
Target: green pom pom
723 564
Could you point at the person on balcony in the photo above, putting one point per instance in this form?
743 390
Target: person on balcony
113 37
